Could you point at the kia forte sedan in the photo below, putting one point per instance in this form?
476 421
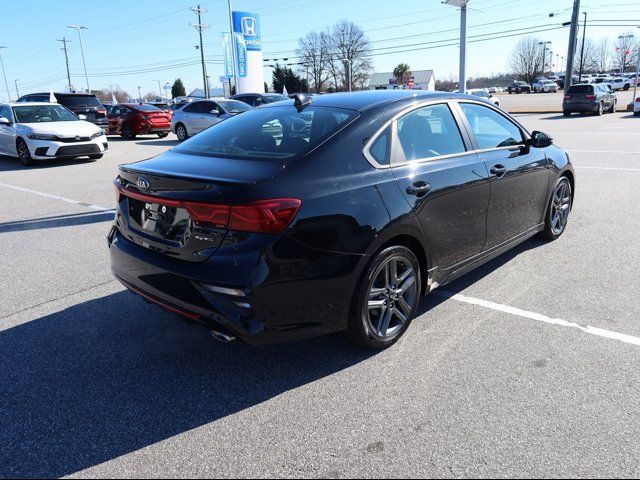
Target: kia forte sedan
336 213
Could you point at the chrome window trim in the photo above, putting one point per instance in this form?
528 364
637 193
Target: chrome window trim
452 104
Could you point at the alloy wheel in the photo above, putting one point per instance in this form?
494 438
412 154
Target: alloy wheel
181 132
23 153
560 207
391 298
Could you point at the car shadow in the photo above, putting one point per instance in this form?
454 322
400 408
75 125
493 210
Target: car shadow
12 164
71 220
112 375
163 142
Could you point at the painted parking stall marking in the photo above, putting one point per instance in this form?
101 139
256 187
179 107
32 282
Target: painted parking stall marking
599 332
57 197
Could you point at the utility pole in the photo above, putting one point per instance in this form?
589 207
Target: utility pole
4 74
139 93
462 77
17 92
544 54
66 58
584 34
84 63
573 40
234 59
199 26
635 88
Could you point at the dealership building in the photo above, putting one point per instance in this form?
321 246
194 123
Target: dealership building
418 80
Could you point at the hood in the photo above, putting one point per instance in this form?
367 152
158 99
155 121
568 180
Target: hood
62 129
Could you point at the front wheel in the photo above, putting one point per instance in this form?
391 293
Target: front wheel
626 87
23 152
386 300
600 110
181 132
558 210
614 107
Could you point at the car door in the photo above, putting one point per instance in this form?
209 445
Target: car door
113 118
215 114
7 133
519 175
443 180
199 116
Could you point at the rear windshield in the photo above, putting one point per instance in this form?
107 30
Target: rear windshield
73 101
580 89
277 132
234 106
146 108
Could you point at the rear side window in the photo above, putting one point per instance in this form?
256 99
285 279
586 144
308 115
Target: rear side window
429 132
73 101
491 129
580 90
277 132
380 149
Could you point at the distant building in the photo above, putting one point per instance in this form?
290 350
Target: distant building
418 80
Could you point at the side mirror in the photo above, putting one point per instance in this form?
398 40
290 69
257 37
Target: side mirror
5 121
82 117
540 140
215 112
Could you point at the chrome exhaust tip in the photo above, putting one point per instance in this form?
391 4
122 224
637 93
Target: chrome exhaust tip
222 337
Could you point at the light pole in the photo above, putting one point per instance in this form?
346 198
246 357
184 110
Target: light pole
17 92
635 88
462 77
544 54
139 93
348 61
625 51
159 88
167 87
4 74
78 28
584 34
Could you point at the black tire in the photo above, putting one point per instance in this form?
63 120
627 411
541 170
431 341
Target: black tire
600 110
378 286
626 87
163 135
127 132
181 132
551 231
97 156
614 107
566 114
23 152
636 114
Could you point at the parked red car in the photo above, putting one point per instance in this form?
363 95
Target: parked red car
131 119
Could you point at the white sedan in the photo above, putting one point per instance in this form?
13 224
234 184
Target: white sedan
482 93
42 131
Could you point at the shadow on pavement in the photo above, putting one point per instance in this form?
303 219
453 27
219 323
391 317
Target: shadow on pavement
10 164
57 221
159 143
110 376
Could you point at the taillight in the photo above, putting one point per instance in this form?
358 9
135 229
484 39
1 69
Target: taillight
638 100
144 117
265 216
102 110
567 97
590 97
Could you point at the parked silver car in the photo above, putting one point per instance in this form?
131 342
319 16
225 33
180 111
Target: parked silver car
197 116
545 86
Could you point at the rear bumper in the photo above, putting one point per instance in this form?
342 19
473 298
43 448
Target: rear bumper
259 298
579 108
148 128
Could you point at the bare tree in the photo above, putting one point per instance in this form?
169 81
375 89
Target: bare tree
314 53
525 60
350 55
626 51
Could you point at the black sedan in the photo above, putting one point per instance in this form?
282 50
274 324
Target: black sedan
519 87
307 217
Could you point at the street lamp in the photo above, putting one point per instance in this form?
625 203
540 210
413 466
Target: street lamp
17 92
544 53
78 28
625 51
139 93
462 5
159 88
6 84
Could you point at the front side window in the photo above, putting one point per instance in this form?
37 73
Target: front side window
277 132
43 114
429 132
491 129
5 112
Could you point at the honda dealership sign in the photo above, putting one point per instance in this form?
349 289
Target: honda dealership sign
248 49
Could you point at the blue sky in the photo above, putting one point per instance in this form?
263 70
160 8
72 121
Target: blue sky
133 43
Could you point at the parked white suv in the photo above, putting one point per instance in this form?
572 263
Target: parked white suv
620 83
545 86
41 131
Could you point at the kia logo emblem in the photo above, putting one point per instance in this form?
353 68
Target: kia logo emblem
143 183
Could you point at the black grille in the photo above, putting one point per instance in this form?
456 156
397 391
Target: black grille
74 139
78 150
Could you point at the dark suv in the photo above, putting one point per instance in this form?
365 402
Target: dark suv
589 98
79 103
519 87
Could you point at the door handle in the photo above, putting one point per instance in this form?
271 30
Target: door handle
498 170
419 189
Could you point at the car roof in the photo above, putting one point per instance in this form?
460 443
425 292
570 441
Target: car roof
60 93
368 99
28 104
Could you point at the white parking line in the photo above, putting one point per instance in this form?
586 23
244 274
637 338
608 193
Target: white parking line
610 168
621 152
599 332
57 197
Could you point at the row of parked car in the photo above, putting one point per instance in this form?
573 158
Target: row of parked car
553 83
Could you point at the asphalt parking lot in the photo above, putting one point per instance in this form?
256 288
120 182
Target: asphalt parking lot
526 367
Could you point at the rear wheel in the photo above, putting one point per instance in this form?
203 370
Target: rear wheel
23 152
566 114
558 210
162 135
386 300
626 87
614 107
181 132
127 132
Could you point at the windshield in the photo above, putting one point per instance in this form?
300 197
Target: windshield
480 93
234 106
43 114
278 132
73 101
